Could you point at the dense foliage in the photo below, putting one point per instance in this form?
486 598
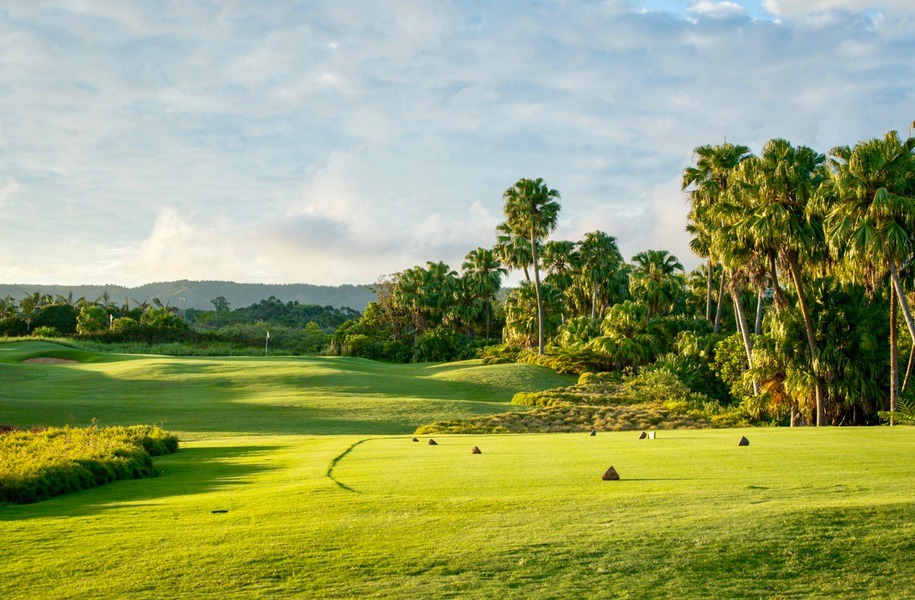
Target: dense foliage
799 315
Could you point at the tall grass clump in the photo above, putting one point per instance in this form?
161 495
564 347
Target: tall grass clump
42 463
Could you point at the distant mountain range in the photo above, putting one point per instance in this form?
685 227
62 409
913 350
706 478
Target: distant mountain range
198 294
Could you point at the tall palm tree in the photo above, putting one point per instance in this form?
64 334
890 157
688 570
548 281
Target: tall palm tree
870 212
709 181
532 210
775 191
600 261
484 273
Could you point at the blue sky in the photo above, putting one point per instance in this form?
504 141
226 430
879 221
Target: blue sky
334 142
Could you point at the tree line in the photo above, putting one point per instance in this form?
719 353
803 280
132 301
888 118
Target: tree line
800 313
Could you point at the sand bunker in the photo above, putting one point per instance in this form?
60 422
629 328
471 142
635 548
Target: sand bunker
47 360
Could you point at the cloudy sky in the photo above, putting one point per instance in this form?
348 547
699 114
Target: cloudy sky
281 141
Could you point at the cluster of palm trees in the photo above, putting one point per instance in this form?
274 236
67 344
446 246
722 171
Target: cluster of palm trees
816 231
568 286
66 315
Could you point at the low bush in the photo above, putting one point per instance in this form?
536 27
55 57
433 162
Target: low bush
651 399
42 463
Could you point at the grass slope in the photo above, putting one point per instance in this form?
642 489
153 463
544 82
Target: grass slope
825 513
251 395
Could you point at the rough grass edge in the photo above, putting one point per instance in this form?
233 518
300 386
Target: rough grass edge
43 463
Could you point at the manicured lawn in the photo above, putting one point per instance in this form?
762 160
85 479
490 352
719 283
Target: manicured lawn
315 513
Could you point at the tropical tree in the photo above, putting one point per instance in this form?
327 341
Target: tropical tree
560 260
628 336
657 280
869 202
483 273
522 325
7 307
512 250
601 262
29 305
775 191
708 182
532 210
92 319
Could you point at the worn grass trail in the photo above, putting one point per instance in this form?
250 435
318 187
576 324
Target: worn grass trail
826 513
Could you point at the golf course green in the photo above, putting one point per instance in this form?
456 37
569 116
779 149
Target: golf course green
299 477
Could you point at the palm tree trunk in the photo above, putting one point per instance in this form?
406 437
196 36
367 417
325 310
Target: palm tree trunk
900 296
488 311
708 293
539 298
894 355
759 310
811 340
717 328
594 302
780 300
908 369
744 330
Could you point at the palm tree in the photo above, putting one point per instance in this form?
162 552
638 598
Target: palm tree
7 307
29 305
870 212
512 250
560 261
531 210
522 324
776 189
655 280
600 262
484 273
627 337
709 180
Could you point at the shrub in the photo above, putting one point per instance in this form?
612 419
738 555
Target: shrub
36 465
46 332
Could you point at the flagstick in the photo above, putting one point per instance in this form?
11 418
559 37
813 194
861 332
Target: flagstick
266 342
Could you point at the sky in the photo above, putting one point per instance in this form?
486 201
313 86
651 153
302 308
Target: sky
335 142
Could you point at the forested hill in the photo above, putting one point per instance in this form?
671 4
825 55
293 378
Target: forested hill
198 294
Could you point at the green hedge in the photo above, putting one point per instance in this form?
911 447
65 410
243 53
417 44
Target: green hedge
39 464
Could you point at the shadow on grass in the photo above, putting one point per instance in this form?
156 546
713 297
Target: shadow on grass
189 471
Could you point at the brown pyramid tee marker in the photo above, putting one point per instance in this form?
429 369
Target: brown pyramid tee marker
593 432
743 441
415 440
643 435
611 475
433 443
475 450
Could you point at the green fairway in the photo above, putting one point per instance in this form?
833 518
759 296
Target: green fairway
233 396
313 511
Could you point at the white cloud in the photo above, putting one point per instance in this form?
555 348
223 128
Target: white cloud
338 142
794 7
718 10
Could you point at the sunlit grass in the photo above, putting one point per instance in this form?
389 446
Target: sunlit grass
311 512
